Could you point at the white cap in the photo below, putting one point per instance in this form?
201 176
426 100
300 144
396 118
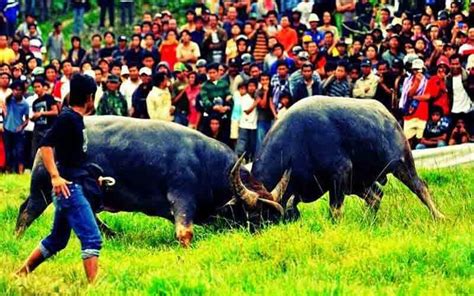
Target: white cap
124 70
313 17
417 64
145 71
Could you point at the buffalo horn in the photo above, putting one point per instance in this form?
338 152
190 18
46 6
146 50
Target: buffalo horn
280 188
249 197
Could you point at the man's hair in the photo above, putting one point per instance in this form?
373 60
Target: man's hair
159 78
146 23
96 36
436 109
381 63
66 61
75 38
454 57
109 33
40 80
136 35
50 67
307 65
97 68
386 10
82 87
253 81
132 65
280 63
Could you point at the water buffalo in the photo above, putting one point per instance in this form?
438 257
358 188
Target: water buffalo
162 169
340 145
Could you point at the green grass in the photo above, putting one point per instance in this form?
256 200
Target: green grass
400 252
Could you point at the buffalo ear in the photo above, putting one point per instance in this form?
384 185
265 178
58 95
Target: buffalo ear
280 188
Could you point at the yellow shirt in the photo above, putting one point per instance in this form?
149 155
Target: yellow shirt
158 103
7 55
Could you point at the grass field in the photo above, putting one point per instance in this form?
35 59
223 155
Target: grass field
400 252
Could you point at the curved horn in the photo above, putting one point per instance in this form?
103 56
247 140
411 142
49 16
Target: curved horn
280 188
273 204
240 191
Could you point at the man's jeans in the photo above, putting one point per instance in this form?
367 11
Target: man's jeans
423 146
14 149
73 213
78 20
246 143
181 118
126 13
263 126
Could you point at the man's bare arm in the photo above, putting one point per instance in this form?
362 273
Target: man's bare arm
59 184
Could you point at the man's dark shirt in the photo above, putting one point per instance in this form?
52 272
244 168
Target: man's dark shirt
68 138
41 105
106 52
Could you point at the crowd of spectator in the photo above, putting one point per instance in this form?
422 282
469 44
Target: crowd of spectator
233 68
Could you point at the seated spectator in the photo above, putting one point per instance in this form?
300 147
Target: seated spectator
366 86
158 101
436 131
337 84
459 135
112 101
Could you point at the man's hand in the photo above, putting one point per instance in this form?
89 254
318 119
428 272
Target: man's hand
60 186
36 115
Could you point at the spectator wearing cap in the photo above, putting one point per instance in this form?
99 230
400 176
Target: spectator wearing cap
158 101
457 85
112 101
259 42
135 53
187 51
216 100
139 97
313 31
119 53
110 47
215 41
178 94
93 54
413 104
106 6
308 85
126 12
366 86
246 61
16 111
287 36
444 26
55 43
337 84
45 110
7 55
394 50
130 85
76 53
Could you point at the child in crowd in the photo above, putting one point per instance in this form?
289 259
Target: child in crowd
283 105
248 120
436 130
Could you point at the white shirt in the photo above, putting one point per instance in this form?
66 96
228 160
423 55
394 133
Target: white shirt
461 100
248 121
127 89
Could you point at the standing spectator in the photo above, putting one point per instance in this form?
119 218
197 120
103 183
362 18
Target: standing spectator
414 105
337 84
112 101
16 112
286 35
93 54
78 10
280 82
45 110
297 76
180 101
248 120
55 43
193 90
107 5
109 48
306 86
366 85
394 50
280 56
187 51
265 6
7 56
76 53
327 26
461 103
216 101
346 8
199 33
119 53
23 29
129 86
11 11
158 101
150 47
386 86
126 12
264 109
139 103
135 53
436 131
168 49
215 41
190 17
61 88
260 43
313 31
5 91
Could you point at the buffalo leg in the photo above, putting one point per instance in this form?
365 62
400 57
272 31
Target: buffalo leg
410 178
184 208
373 196
341 183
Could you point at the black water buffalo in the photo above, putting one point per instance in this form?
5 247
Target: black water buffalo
161 169
340 145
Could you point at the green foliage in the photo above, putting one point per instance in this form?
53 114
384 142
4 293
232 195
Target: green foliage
400 251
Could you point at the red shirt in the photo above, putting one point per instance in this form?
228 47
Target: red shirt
436 88
168 54
288 38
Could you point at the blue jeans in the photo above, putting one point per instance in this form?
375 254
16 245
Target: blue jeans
126 14
78 20
181 118
246 142
73 213
14 149
263 126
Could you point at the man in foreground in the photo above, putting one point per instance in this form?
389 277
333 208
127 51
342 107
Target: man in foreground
68 139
